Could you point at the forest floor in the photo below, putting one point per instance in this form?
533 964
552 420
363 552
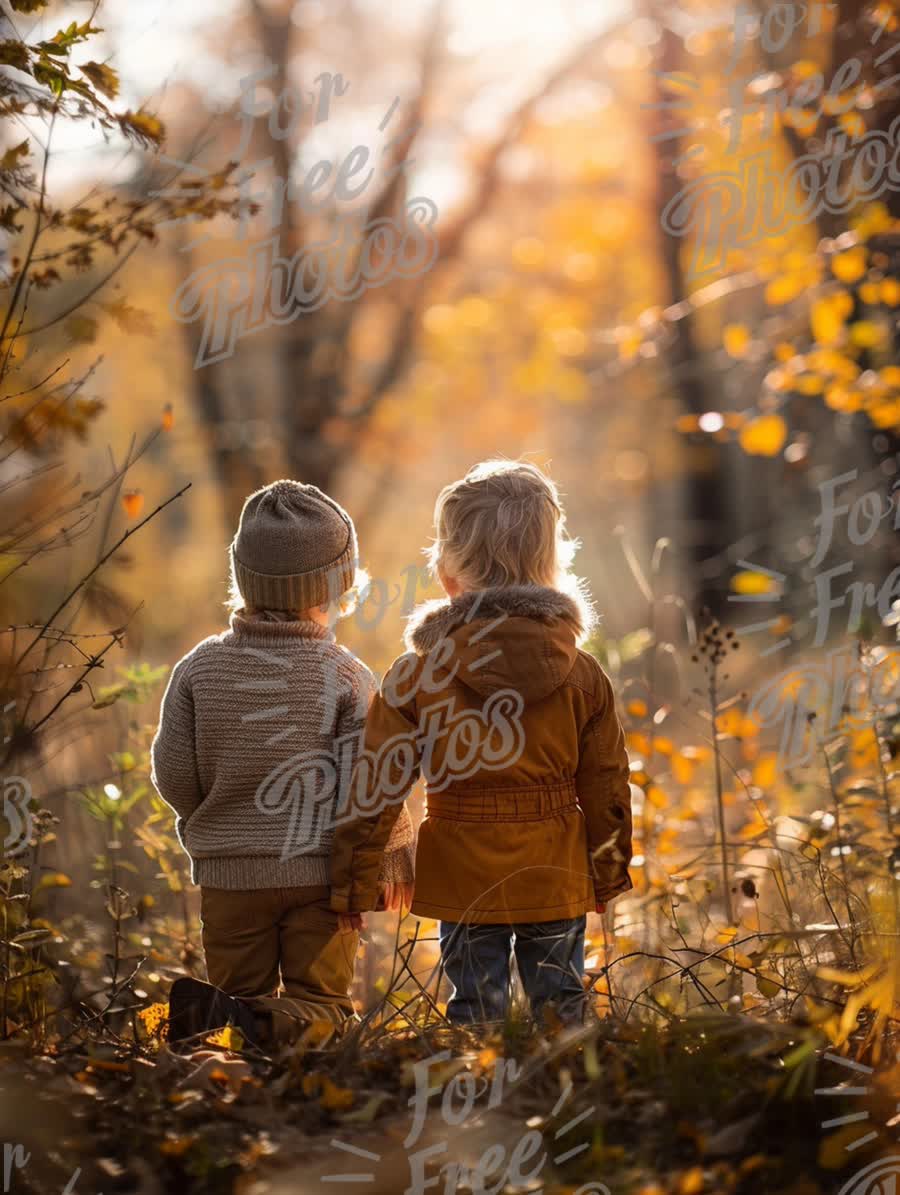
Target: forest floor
713 1103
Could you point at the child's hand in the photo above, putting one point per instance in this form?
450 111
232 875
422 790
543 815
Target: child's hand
349 923
396 897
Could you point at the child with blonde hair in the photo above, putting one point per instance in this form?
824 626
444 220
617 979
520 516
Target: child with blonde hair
259 729
515 730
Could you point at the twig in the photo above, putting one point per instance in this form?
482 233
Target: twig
103 559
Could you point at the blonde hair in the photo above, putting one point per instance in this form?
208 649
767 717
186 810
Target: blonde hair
503 524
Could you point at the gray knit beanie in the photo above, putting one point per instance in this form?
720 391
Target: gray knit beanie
295 548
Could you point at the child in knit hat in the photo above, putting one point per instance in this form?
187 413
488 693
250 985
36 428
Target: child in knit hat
259 730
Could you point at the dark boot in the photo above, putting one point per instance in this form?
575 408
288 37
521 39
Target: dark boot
196 1008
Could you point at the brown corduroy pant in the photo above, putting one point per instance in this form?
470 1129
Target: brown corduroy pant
253 940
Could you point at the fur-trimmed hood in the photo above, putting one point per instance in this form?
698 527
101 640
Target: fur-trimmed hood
523 637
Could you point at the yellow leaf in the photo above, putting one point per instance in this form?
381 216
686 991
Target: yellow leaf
765 771
850 265
866 334
885 414
804 69
852 123
802 119
228 1038
682 768
692 1181
629 343
334 1098
56 879
764 436
657 797
784 288
841 398
826 321
736 339
874 219
834 362
729 722
848 979
809 383
843 303
154 1017
752 582
144 126
869 292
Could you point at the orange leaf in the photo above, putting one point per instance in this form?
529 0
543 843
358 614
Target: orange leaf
736 339
764 436
133 502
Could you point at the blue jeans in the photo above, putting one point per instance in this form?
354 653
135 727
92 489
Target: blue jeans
549 956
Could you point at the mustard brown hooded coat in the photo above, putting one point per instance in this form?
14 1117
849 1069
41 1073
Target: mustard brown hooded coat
515 731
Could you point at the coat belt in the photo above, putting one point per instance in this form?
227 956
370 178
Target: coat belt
502 804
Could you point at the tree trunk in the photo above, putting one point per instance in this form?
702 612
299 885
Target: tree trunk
709 499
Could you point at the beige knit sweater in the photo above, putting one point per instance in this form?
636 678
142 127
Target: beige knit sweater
259 729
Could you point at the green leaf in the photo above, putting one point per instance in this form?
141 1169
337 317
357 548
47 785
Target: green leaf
108 695
51 76
635 643
768 984
32 938
65 39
